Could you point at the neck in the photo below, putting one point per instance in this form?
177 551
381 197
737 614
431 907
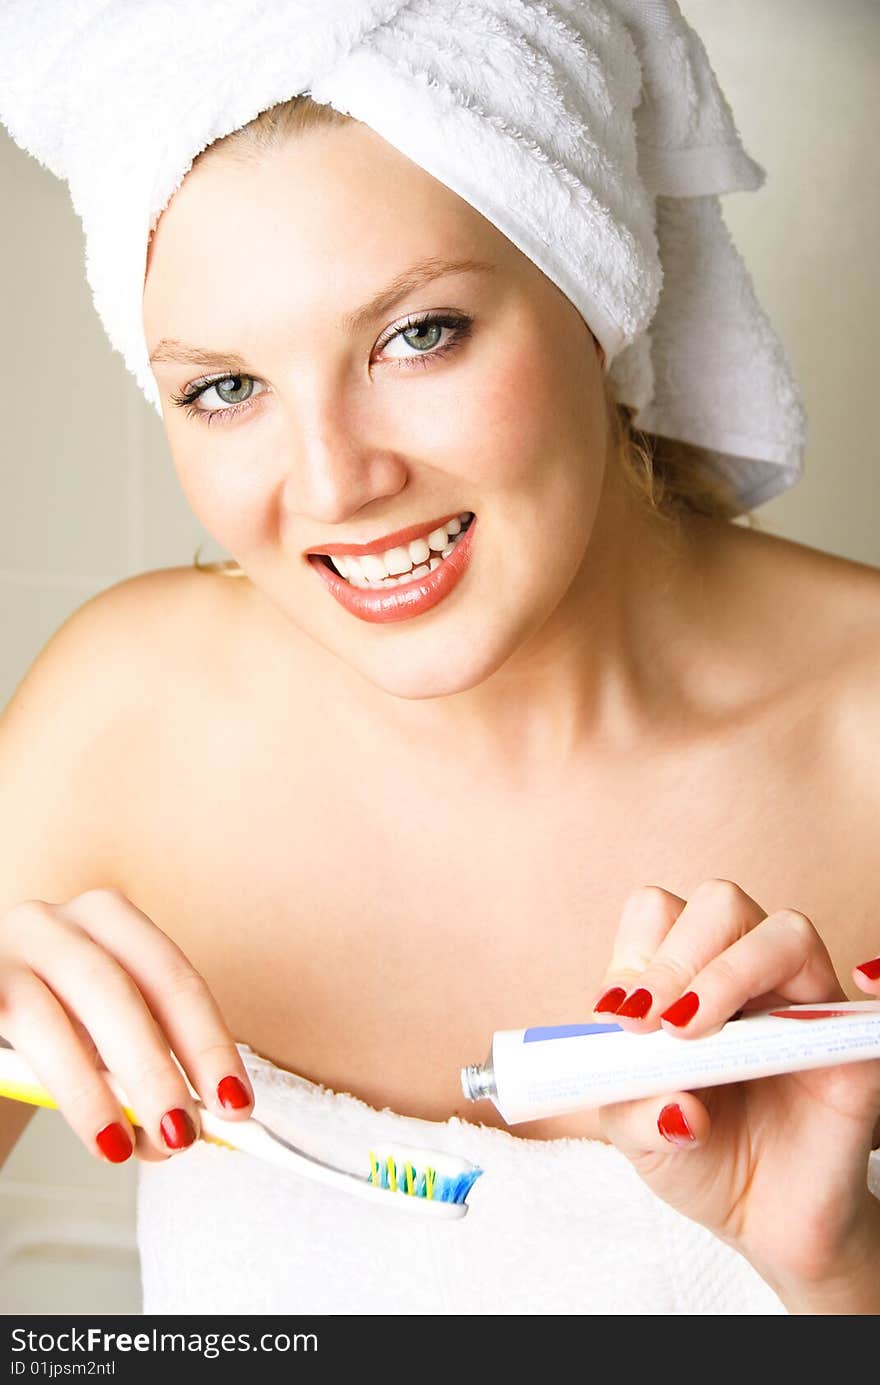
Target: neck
610 668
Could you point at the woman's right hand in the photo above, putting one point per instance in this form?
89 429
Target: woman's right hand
93 986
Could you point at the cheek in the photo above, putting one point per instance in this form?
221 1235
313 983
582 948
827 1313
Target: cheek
226 495
528 420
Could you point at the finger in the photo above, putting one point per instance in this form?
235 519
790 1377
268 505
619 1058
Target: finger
176 994
718 913
783 957
867 976
674 939
146 1151
648 914
677 1121
91 984
40 1031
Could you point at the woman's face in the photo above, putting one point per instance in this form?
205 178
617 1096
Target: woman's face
310 425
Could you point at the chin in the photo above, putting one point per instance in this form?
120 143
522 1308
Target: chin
436 675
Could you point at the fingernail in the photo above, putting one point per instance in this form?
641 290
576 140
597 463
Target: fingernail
871 969
114 1143
673 1126
683 1010
177 1129
637 1005
231 1093
609 1000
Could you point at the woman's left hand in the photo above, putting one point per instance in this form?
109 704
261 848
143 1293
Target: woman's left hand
776 1167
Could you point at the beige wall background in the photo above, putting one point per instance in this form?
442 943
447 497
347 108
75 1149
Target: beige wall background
88 494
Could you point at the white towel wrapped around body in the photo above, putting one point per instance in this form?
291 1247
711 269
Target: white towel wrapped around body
555 1227
592 133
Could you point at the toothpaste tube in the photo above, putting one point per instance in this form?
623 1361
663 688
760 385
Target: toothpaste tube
554 1069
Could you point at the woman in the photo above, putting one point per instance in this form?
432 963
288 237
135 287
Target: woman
588 764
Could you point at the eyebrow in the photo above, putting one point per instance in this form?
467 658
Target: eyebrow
415 277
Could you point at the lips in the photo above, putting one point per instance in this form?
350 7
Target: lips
384 605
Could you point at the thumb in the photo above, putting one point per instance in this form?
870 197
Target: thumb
867 976
656 1125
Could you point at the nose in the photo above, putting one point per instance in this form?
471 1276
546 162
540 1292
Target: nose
337 465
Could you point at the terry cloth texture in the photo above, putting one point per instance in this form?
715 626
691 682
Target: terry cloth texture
554 1227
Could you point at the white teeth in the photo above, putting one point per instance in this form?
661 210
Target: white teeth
397 561
438 539
359 580
402 564
373 567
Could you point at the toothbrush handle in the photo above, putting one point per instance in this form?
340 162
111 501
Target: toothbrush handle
19 1082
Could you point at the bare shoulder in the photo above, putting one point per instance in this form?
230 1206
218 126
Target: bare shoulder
73 725
109 643
835 606
824 612
818 613
813 623
158 607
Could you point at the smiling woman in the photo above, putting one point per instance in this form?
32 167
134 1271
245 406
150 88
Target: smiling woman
509 722
669 476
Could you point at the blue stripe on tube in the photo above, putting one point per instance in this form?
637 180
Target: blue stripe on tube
567 1031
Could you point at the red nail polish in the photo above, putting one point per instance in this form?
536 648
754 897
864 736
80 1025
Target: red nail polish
683 1010
871 969
114 1143
231 1093
673 1126
609 1000
177 1129
637 1005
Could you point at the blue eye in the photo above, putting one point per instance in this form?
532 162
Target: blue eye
232 390
235 393
242 387
424 335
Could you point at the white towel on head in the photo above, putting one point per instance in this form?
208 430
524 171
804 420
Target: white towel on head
592 133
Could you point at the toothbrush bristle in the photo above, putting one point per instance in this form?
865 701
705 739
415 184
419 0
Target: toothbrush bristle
457 1189
429 1184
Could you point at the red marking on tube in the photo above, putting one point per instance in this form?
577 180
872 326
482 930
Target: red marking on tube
808 1014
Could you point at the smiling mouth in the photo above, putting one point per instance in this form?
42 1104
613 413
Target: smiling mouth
402 564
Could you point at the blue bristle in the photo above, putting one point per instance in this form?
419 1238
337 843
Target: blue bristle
456 1189
453 1188
468 1180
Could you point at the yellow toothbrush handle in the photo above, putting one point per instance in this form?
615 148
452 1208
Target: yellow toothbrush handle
19 1082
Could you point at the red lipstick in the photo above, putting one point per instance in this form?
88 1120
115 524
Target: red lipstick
384 605
397 540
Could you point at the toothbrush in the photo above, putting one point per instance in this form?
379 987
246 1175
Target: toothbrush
433 1184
